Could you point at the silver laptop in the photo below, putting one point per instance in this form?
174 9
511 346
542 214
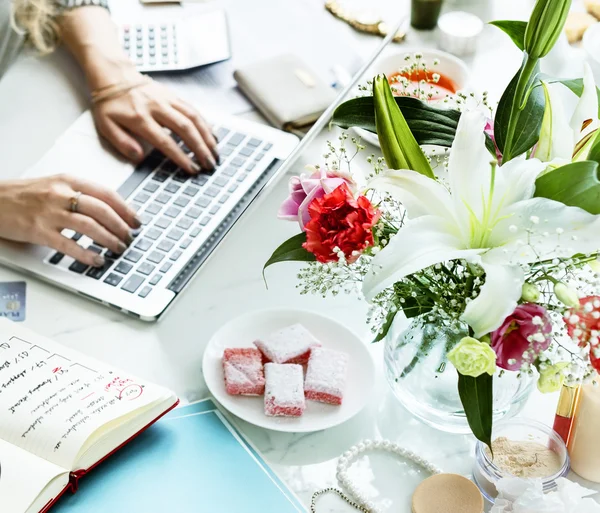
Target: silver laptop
184 217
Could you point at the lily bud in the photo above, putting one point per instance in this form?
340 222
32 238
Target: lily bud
566 295
530 293
545 26
595 266
398 144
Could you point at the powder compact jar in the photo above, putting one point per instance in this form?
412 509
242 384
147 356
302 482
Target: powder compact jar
522 448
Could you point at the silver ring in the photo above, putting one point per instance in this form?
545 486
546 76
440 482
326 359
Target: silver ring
75 202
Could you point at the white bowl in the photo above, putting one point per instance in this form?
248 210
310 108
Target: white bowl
449 65
242 331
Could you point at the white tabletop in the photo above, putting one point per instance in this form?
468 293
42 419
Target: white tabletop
38 101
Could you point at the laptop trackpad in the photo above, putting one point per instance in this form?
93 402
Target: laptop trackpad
80 152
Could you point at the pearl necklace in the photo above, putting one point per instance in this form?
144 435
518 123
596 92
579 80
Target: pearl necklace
353 495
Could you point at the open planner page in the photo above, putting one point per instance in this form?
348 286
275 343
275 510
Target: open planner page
23 477
53 399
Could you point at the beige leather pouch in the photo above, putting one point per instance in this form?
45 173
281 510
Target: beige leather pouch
286 91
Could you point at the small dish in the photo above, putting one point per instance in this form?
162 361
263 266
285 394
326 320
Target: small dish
242 331
486 473
449 66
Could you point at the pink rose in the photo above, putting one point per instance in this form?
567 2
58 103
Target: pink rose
305 188
523 335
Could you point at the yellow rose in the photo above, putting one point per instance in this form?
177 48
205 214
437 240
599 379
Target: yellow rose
551 377
473 358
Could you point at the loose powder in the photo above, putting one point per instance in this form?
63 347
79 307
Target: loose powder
525 459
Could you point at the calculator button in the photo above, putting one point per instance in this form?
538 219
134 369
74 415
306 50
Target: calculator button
113 279
175 255
163 223
78 267
123 267
151 187
143 244
153 233
56 258
175 234
236 139
98 272
146 268
166 266
155 279
165 245
155 257
133 256
133 283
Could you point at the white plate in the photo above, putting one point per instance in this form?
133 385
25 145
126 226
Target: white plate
241 332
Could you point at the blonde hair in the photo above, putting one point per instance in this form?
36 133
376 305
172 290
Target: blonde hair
36 20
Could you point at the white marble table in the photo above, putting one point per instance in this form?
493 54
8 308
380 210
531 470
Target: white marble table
39 99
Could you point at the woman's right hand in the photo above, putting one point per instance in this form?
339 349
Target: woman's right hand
37 211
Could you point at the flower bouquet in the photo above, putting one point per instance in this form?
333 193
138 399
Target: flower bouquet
493 239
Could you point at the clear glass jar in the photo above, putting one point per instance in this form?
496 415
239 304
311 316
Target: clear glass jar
486 473
426 384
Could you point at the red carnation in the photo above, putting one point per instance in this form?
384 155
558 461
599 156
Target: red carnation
337 220
583 326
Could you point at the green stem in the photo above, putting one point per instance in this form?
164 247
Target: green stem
516 107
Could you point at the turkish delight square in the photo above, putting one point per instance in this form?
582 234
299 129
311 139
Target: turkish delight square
243 371
326 376
284 391
289 345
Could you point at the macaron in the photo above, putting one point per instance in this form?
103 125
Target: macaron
450 493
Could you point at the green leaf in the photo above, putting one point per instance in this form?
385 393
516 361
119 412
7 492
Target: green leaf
389 320
514 29
428 124
529 122
398 144
476 396
291 250
575 185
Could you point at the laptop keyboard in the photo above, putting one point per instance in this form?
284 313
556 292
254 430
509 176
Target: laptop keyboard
174 208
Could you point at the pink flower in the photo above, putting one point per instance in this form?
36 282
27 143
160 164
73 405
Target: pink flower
523 335
305 188
489 131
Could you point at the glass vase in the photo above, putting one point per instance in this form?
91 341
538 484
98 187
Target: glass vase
426 384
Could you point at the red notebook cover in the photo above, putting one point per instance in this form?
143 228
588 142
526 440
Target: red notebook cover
78 474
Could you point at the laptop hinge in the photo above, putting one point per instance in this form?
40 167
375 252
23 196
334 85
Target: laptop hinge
186 274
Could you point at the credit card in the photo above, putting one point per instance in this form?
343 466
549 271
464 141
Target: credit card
12 300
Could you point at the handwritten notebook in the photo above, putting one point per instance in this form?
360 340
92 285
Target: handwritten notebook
191 461
61 413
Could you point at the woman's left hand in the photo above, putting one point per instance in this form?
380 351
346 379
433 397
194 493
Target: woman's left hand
143 112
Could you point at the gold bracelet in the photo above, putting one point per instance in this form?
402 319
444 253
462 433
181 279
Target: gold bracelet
113 91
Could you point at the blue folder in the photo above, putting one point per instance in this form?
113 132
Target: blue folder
191 461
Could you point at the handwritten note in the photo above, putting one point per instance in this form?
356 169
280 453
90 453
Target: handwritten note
52 400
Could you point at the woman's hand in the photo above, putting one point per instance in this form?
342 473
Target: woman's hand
143 112
37 211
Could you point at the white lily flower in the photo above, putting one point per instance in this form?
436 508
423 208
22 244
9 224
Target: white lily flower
487 216
560 140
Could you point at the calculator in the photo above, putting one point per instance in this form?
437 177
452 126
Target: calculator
182 43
